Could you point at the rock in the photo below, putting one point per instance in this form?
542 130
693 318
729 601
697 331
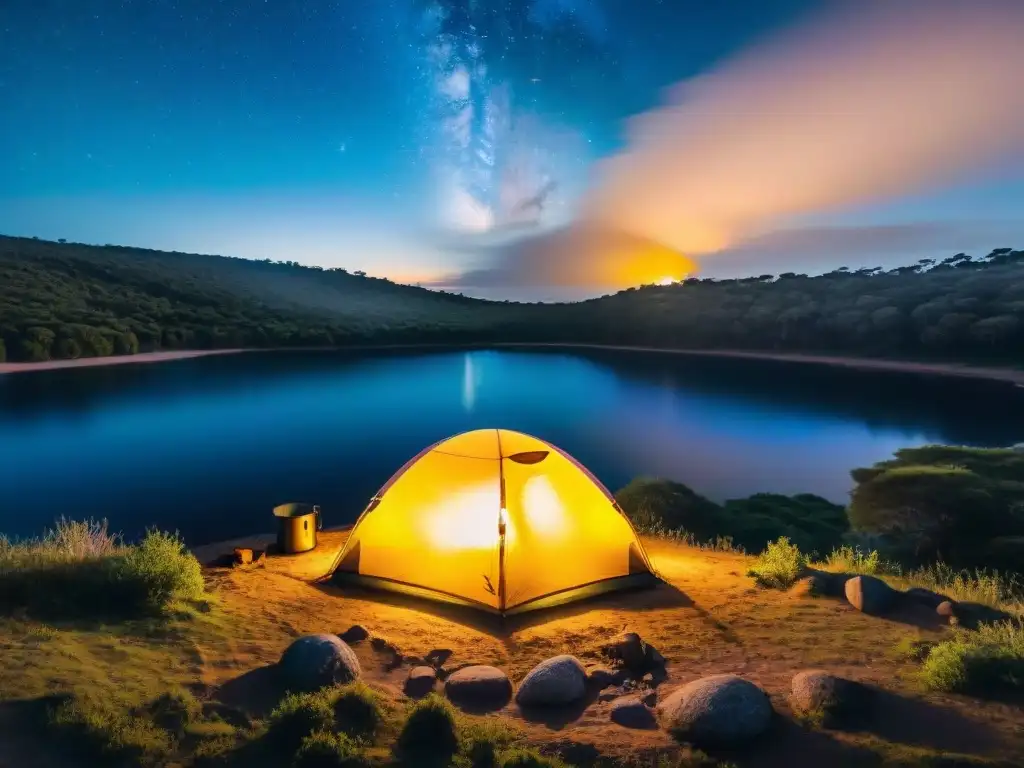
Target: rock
355 634
835 698
870 595
437 657
650 698
259 558
631 712
479 686
243 556
629 648
420 682
610 694
315 661
822 584
721 710
654 659
972 615
601 677
926 597
415 661
554 682
381 644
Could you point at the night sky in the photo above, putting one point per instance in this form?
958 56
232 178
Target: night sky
327 131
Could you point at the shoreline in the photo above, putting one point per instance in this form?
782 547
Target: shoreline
959 370
98 362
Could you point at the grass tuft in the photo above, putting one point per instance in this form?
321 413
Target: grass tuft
109 735
430 730
175 710
324 749
358 709
80 569
297 716
484 739
529 758
779 566
989 660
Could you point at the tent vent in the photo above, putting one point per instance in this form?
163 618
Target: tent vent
529 457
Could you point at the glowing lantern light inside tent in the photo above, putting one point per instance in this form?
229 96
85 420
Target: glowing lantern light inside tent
497 520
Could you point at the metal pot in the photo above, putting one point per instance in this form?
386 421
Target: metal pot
297 525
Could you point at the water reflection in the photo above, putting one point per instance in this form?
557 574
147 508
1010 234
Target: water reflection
210 445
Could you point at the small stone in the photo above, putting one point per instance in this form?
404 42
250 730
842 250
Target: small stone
556 681
479 686
835 698
655 659
870 595
420 682
259 558
629 648
610 694
315 661
947 610
721 710
243 556
438 656
382 644
601 677
415 661
631 712
355 634
650 698
972 615
926 597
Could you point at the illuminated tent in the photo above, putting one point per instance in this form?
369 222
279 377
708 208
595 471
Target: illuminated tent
496 520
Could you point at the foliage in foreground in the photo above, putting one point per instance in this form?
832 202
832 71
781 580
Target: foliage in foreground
80 569
430 730
656 506
986 661
108 734
779 566
959 505
324 749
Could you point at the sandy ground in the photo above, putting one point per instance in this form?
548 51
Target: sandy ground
1010 375
93 362
708 618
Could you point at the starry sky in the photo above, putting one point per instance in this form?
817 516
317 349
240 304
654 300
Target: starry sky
393 136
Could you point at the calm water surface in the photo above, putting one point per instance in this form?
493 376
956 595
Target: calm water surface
208 446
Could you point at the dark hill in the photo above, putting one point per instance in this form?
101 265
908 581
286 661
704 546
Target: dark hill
68 300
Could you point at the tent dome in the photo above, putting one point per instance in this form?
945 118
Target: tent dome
497 520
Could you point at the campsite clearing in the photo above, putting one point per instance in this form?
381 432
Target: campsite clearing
708 618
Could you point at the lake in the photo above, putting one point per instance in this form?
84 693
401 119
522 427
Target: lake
209 446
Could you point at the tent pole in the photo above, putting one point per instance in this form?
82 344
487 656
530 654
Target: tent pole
501 527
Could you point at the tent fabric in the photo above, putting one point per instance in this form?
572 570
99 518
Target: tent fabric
495 519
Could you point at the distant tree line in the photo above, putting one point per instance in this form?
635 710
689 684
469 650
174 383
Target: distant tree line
69 300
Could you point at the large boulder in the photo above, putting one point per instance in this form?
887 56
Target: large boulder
870 595
315 661
925 597
817 693
479 687
972 615
721 710
632 712
557 681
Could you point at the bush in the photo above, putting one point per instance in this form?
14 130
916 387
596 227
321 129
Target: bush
175 710
853 560
990 660
108 734
324 749
483 740
158 571
79 568
779 565
297 716
529 758
430 730
358 709
650 502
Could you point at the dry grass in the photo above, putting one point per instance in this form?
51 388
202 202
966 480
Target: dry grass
710 619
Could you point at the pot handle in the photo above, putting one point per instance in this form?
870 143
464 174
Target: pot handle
319 520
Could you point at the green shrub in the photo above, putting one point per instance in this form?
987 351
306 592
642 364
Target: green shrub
430 730
989 660
358 709
650 502
107 733
79 569
483 740
214 752
297 716
529 758
779 565
323 749
848 559
174 710
158 571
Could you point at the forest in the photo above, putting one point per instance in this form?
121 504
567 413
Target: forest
65 300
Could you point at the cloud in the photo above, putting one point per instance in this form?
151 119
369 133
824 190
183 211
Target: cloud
875 100
864 103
